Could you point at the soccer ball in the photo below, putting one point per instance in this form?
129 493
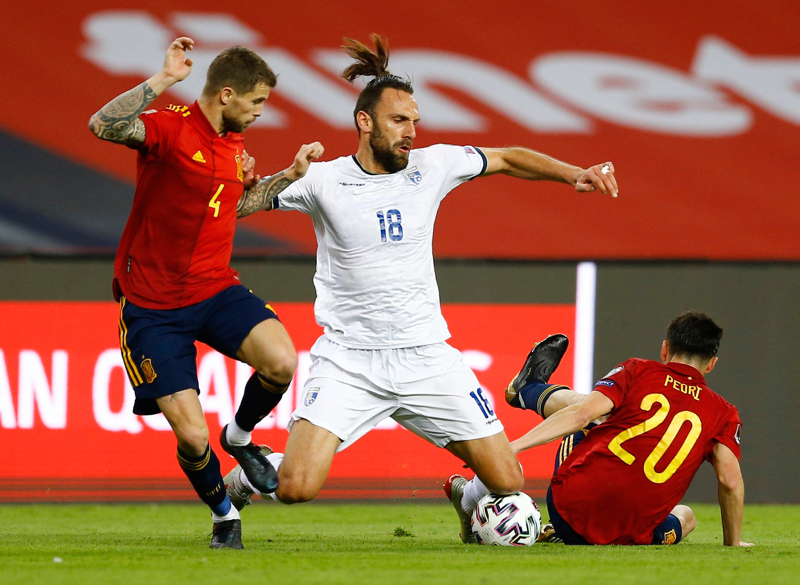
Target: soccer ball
507 520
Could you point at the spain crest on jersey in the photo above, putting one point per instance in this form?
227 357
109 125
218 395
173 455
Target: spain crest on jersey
414 175
239 172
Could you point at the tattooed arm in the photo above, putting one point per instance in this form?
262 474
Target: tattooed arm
261 195
118 121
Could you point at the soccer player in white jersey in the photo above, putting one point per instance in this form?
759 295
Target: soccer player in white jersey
383 352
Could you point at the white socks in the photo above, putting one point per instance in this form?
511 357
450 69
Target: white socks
236 436
275 459
233 514
473 492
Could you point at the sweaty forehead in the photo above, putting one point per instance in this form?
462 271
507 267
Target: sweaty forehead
397 101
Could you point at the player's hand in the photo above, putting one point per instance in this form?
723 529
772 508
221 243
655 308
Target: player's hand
176 65
598 177
302 160
248 170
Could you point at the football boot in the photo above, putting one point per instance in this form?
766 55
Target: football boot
454 490
259 471
227 534
540 364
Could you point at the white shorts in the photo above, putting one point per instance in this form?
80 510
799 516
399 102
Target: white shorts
427 389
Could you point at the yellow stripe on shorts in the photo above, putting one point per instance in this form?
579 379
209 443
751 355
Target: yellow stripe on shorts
130 366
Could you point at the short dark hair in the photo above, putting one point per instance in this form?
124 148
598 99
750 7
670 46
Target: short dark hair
694 333
372 64
239 68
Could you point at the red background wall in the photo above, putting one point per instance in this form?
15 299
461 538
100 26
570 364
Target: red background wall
682 196
83 460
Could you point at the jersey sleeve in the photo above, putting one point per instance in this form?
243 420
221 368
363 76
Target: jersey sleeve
729 434
161 129
616 383
299 196
459 163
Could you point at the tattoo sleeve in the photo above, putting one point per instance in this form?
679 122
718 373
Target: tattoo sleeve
262 195
118 121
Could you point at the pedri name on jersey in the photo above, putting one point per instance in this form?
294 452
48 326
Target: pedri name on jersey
693 391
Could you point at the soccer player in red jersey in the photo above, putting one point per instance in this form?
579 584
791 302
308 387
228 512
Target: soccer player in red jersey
620 482
172 276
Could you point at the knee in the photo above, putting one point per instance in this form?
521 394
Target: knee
294 489
281 367
515 481
687 518
510 481
192 439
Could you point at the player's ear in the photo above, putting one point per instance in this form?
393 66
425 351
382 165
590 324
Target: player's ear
226 95
664 351
364 121
711 363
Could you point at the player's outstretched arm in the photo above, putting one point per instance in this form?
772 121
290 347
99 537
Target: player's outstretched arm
118 121
260 193
565 422
528 164
731 494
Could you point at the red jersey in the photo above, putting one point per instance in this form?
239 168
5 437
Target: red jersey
625 477
177 244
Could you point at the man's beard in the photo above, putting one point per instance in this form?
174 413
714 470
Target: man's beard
230 124
385 154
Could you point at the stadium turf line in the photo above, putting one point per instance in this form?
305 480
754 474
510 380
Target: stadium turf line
362 543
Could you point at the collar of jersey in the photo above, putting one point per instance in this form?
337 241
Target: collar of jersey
686 370
365 171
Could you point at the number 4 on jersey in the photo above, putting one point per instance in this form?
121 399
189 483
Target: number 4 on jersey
214 204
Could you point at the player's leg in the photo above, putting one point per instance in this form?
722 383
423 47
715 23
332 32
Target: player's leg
195 456
302 469
269 350
530 389
344 397
441 400
493 461
201 466
686 517
164 342
680 522
305 465
242 326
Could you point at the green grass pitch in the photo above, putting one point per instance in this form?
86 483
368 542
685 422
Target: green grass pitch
408 542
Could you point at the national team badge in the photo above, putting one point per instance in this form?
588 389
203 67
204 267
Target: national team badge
239 172
670 537
311 396
414 175
148 370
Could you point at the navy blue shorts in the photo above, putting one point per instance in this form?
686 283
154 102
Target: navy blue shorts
158 345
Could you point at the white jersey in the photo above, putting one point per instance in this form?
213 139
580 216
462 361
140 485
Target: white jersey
375 282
